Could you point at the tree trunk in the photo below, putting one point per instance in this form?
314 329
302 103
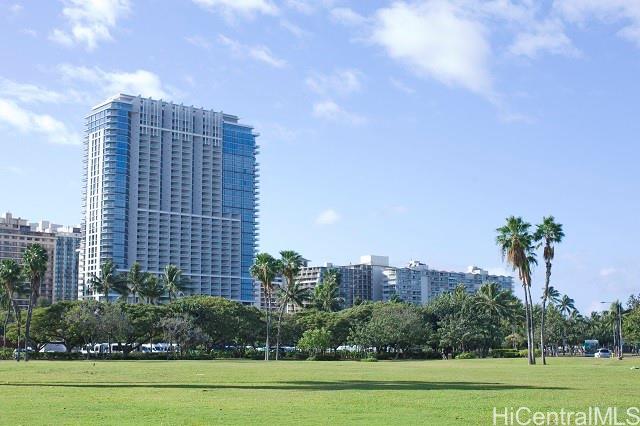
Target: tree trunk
27 327
531 326
6 323
528 324
542 346
16 311
280 314
544 307
266 352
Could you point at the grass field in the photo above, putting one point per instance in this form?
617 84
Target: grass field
252 392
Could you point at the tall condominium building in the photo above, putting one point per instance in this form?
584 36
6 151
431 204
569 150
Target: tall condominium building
61 244
410 284
372 279
170 184
446 281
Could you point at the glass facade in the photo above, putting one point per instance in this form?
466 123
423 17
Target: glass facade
239 183
171 184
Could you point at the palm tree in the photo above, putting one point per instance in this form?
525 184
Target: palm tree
294 294
10 274
108 281
264 269
152 289
34 266
496 302
516 244
289 265
548 234
173 281
326 295
567 308
566 305
551 295
136 279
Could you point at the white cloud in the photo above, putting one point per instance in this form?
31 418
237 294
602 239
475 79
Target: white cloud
293 28
139 82
14 170
28 122
16 8
90 21
327 217
401 86
199 41
546 36
30 93
581 11
244 8
308 7
329 110
607 272
259 53
499 270
347 16
436 39
341 82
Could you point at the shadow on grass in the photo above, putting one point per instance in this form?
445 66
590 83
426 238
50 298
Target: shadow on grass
303 385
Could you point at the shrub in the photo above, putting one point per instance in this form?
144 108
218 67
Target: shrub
55 356
6 353
369 358
523 353
466 355
506 353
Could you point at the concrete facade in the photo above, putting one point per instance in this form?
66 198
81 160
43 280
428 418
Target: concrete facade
170 184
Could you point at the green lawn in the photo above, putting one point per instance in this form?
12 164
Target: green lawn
254 392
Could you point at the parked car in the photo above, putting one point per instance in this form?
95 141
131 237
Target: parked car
21 352
602 353
54 347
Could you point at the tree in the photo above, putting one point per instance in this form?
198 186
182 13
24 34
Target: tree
182 330
108 281
114 322
52 326
289 266
34 266
10 273
326 295
547 235
392 326
173 281
264 269
516 244
152 290
495 302
316 341
136 279
566 305
551 295
81 320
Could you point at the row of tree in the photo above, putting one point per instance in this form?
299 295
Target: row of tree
484 323
140 285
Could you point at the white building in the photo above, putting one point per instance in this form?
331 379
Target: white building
171 184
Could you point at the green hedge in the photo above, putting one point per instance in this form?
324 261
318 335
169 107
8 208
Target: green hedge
524 353
506 353
466 355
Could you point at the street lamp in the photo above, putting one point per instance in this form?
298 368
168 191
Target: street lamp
620 344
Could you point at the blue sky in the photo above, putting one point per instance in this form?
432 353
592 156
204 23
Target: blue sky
407 129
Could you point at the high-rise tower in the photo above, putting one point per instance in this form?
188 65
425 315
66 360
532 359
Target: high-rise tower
171 184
